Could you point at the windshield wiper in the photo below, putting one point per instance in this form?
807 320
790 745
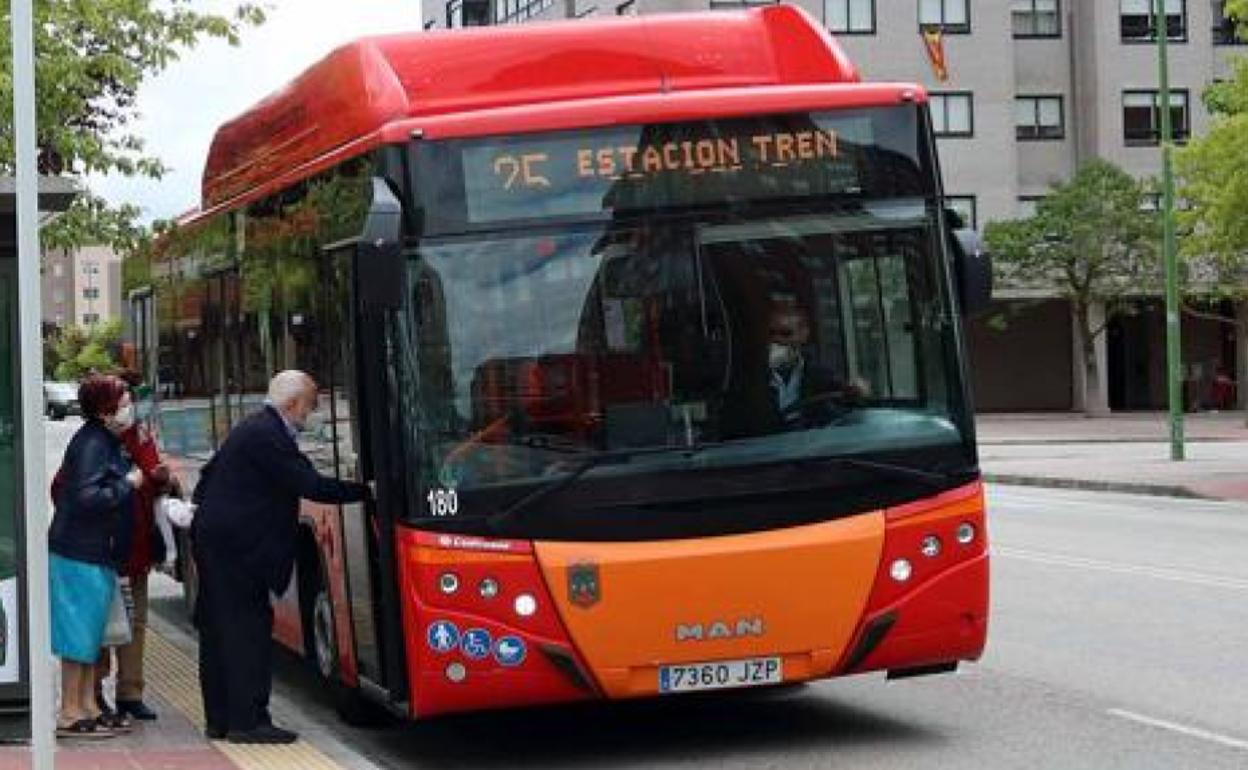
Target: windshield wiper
587 464
933 479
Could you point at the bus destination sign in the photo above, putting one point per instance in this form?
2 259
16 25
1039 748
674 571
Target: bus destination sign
670 165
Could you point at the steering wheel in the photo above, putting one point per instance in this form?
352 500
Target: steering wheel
841 401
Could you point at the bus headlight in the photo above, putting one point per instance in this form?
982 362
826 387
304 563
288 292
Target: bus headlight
900 570
525 605
456 672
930 547
488 588
448 582
966 533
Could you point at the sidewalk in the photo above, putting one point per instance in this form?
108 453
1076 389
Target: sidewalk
176 741
1123 453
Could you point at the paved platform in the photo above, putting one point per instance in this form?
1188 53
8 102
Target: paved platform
1122 453
176 740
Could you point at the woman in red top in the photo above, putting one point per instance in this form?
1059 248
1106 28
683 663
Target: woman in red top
145 550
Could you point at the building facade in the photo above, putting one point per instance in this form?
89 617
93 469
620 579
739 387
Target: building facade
1034 88
81 287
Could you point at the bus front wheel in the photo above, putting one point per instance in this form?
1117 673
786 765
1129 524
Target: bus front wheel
321 645
324 643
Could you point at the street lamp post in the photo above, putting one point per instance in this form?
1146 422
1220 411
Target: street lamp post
1174 359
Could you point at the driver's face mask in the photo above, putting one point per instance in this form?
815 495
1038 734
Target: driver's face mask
781 356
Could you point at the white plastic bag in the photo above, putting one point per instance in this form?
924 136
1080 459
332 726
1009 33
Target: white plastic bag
117 632
170 512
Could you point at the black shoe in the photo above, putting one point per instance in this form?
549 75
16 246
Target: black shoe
264 734
137 709
214 733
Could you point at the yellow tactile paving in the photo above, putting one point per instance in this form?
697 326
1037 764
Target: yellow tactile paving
175 677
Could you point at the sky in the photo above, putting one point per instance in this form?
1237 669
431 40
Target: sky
182 108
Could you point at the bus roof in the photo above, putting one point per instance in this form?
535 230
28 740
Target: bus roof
373 82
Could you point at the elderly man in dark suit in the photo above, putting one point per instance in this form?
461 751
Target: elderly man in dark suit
244 546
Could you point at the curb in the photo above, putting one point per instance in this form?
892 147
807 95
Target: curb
1125 487
1131 440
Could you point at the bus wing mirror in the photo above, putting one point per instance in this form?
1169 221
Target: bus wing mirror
972 267
379 262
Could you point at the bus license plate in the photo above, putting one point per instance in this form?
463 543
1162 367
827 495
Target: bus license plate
722 674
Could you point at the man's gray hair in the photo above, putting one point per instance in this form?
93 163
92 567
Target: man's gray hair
287 386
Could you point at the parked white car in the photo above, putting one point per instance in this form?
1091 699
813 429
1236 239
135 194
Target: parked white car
60 399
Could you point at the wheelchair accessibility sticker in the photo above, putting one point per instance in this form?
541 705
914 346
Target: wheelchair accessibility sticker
476 643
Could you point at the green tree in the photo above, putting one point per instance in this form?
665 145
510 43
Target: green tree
1091 240
1238 10
1213 179
76 351
91 58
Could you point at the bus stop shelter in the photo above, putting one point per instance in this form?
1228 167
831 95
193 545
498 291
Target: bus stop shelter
55 195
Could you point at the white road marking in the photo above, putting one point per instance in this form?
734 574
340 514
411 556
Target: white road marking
1159 573
1192 732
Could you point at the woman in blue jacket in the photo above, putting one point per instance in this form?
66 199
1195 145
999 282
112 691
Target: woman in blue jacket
92 494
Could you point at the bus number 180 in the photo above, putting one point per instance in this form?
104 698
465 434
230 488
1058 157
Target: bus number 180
442 502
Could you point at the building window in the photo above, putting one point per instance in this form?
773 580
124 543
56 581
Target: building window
58 270
1037 18
1039 117
1141 117
1028 205
467 13
850 17
951 16
89 319
729 5
1224 26
965 206
626 9
518 11
91 292
953 114
1136 18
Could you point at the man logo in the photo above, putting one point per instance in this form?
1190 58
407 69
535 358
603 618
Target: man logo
584 590
700 632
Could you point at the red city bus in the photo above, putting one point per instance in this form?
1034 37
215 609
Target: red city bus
647 331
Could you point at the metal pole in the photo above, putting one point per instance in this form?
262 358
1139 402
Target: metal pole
34 486
1174 355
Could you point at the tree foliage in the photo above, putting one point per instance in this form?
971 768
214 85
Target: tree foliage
1213 174
1090 238
91 58
1238 11
75 351
1092 241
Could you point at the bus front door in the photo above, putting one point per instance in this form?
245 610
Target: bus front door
357 373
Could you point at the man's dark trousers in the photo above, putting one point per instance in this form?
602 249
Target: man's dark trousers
235 622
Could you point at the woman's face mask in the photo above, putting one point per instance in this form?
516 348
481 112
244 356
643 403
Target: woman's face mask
123 420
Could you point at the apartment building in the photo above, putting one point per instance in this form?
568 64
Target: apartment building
81 287
1033 89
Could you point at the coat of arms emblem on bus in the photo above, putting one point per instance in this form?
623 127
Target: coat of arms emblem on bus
584 590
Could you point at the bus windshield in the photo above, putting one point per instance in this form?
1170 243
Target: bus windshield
694 341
